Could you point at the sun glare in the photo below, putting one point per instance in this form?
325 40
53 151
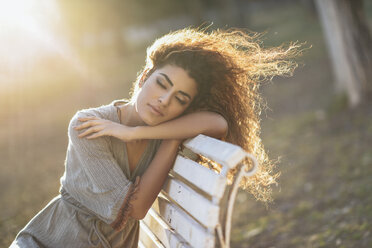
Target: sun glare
31 30
26 30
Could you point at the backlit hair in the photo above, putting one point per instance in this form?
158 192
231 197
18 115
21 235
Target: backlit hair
228 66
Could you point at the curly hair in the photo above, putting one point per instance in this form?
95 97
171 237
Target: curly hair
228 66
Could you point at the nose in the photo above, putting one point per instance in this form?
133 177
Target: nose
165 99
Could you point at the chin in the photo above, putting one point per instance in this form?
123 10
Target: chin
151 121
155 122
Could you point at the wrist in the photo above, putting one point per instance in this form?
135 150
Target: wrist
126 133
137 133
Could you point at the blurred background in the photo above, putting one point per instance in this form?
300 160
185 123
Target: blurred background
57 57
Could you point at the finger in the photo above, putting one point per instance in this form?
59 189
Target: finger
90 123
89 131
96 135
88 118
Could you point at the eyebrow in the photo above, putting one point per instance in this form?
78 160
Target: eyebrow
171 83
167 78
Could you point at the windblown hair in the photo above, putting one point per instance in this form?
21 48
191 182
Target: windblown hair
228 66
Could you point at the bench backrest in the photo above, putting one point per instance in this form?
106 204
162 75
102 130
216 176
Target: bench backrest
195 205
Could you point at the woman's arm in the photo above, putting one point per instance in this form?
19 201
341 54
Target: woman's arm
173 132
93 176
187 126
154 177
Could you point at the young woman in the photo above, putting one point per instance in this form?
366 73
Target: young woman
118 157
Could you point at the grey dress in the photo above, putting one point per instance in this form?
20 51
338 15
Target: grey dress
92 209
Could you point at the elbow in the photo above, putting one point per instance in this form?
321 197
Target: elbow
138 214
219 128
223 127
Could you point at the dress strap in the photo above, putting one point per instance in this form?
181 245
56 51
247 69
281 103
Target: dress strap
119 102
101 238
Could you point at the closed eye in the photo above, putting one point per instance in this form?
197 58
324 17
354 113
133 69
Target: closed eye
180 101
160 84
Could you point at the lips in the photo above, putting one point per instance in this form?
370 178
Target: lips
156 110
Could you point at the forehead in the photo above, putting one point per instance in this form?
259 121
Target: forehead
179 78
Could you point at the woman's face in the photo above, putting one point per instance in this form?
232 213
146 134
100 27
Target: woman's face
166 94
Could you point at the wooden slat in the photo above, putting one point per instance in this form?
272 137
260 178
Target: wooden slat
187 210
180 222
202 177
147 238
205 211
162 231
219 151
140 244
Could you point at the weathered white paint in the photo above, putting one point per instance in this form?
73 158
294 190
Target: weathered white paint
200 176
224 153
180 222
163 232
168 225
231 200
148 238
140 244
204 211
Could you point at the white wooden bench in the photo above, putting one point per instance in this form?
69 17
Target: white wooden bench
195 205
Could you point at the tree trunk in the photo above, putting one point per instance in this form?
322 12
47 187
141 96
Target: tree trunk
350 47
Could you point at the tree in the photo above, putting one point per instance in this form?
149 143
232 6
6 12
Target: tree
349 44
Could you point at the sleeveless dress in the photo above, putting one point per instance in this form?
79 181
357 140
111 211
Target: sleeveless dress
92 209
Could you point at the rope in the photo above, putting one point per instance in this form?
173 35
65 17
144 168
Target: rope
94 228
101 238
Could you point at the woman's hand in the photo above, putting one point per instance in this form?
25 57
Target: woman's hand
97 127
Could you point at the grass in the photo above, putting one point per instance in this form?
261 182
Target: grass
323 198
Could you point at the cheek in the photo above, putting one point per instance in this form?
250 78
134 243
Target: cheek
146 94
141 106
176 111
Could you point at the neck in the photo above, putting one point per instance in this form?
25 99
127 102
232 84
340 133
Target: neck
129 115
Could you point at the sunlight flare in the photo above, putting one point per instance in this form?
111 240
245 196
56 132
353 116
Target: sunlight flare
31 30
25 30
